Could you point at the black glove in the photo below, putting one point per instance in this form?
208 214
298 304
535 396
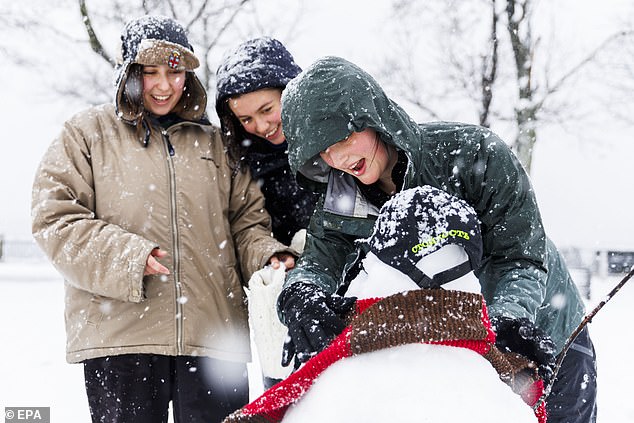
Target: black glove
313 318
523 337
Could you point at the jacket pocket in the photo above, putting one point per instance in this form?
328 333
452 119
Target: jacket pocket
95 314
210 159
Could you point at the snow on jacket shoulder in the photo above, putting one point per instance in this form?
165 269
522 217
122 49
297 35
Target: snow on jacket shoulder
101 202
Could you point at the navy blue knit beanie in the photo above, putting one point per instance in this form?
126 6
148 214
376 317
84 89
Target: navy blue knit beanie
255 64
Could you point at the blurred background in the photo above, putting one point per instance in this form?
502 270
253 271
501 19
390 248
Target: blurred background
554 78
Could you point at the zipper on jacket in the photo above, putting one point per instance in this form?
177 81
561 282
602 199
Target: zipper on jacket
170 147
175 245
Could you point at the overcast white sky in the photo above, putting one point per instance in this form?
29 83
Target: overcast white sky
583 192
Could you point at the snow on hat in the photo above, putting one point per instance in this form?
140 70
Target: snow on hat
255 64
419 221
158 40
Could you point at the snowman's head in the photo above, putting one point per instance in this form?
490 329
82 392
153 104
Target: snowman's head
420 221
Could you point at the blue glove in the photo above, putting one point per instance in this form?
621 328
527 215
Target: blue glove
313 317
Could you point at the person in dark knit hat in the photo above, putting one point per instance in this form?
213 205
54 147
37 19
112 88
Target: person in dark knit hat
347 138
249 86
136 206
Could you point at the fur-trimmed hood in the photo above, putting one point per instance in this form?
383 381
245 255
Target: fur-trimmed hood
157 40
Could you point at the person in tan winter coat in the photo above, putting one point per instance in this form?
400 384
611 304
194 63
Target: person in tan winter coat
137 207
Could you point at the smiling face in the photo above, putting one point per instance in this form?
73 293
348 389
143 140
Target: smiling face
362 155
259 112
162 88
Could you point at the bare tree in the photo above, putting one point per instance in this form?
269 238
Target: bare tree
520 31
93 39
621 77
87 48
207 23
489 69
508 64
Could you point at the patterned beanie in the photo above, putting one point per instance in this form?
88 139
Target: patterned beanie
157 40
419 221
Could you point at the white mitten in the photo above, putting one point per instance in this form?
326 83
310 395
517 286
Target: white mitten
299 241
268 332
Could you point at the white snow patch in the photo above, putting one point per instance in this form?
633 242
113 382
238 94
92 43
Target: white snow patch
411 383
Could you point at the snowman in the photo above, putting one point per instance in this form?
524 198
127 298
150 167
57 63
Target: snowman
420 348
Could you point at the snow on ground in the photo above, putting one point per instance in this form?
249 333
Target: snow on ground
34 373
33 368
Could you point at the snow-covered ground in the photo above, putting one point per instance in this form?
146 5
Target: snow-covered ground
33 371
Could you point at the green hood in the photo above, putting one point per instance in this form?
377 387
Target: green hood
326 103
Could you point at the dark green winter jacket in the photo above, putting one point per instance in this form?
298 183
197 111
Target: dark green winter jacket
522 274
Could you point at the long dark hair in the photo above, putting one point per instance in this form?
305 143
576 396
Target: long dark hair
233 135
133 93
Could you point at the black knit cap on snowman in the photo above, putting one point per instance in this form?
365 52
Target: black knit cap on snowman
157 40
419 221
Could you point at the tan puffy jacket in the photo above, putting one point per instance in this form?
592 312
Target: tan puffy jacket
102 201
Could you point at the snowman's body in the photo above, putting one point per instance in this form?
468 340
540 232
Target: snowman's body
414 382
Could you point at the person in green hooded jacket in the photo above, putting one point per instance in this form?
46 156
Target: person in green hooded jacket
348 140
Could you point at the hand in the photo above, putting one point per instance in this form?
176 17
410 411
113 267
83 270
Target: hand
153 266
282 258
313 318
523 337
